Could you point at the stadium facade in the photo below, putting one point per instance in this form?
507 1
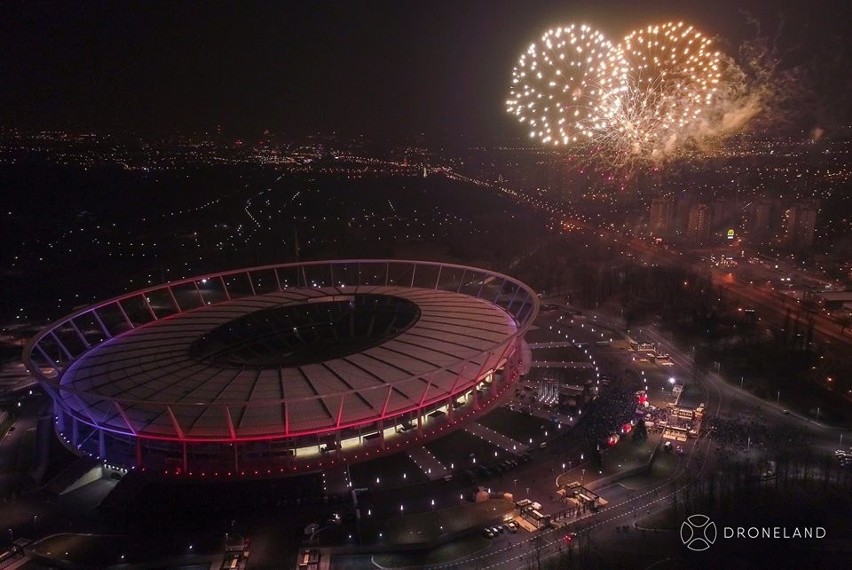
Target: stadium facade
283 368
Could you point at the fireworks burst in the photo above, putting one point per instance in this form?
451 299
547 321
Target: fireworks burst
661 92
673 74
557 84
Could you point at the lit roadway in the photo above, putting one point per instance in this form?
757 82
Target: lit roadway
632 499
733 400
770 304
601 534
611 530
730 397
774 306
719 398
773 302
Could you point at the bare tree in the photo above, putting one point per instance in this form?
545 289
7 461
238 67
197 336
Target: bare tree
538 544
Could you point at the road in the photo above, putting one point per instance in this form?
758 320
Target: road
734 400
630 500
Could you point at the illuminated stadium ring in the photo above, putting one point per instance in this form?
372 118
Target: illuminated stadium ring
281 365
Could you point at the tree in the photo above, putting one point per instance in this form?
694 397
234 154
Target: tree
538 544
844 321
640 432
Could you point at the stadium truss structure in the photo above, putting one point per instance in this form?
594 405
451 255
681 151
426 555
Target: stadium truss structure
282 368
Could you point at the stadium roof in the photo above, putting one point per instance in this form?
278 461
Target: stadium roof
149 381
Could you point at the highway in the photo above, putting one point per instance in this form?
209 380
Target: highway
611 532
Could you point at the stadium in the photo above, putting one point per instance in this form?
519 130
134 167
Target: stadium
282 368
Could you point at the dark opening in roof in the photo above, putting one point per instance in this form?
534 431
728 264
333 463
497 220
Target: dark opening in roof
295 335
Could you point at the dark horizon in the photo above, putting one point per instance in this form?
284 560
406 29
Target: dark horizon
380 69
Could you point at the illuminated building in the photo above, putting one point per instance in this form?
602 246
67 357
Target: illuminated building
661 214
283 368
698 228
762 222
800 223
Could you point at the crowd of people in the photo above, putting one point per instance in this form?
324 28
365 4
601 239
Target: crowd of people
608 413
654 417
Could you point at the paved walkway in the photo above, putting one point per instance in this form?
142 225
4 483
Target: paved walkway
554 364
335 479
494 438
428 463
554 344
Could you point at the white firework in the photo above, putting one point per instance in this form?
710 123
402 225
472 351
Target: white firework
558 82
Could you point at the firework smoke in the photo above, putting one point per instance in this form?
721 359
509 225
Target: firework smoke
661 93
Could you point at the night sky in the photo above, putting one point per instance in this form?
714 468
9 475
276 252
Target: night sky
379 68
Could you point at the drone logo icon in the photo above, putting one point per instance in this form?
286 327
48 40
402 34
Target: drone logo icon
698 532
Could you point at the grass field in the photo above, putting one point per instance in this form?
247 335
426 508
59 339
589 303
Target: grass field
457 450
516 425
391 470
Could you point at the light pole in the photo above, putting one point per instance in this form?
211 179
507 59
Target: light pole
778 397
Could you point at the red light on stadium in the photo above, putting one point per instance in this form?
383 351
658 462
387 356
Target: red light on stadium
626 428
612 439
415 293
